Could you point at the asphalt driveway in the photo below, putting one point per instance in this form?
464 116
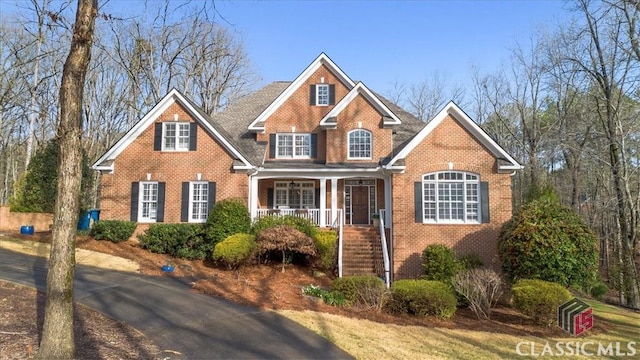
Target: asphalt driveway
176 318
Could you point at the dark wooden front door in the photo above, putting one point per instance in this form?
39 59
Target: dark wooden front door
359 204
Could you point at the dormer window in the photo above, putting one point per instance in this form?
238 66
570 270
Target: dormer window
293 146
322 94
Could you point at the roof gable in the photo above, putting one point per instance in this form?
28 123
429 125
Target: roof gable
105 162
259 123
506 162
329 121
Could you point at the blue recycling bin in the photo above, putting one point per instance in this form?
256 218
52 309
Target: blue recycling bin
94 214
84 220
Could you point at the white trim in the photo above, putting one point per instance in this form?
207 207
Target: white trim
318 94
169 99
465 201
176 136
360 89
322 59
452 109
293 146
298 185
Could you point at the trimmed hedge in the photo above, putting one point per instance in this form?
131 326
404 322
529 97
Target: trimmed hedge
438 263
113 230
236 250
539 299
422 298
178 240
325 242
228 217
363 290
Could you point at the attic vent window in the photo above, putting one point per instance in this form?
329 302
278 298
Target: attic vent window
175 137
322 94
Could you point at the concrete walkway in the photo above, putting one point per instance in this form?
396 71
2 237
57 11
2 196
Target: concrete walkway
187 324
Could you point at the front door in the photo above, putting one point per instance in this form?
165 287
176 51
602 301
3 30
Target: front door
360 205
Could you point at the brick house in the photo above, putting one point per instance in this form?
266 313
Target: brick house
323 147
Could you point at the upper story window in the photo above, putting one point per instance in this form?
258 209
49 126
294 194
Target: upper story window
359 144
293 146
451 197
175 136
148 202
322 94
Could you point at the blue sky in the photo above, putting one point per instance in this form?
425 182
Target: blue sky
383 42
378 42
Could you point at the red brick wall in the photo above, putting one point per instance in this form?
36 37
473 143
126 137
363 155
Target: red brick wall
449 142
138 159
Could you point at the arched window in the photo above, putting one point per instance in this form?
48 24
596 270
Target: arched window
451 197
359 144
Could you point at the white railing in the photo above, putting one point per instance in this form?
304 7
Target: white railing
311 214
340 223
383 215
385 250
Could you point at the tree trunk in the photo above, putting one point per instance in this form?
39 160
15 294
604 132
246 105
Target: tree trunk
57 340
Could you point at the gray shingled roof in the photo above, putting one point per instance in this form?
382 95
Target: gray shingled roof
233 122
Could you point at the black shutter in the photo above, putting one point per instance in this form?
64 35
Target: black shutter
160 210
184 204
270 197
312 95
135 191
318 197
332 94
157 137
193 136
212 196
417 200
272 146
314 145
484 201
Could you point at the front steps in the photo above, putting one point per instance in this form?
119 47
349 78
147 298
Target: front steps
361 251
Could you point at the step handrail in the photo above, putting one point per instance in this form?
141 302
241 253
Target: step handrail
385 252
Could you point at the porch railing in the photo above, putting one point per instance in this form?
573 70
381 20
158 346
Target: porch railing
385 250
311 214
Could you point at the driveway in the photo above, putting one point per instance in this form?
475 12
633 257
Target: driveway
176 318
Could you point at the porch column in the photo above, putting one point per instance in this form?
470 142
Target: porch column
388 198
323 202
334 200
253 196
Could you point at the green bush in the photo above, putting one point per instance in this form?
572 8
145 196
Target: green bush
178 240
326 245
335 298
422 298
301 224
469 261
113 230
236 250
364 290
539 299
438 263
599 290
545 240
228 217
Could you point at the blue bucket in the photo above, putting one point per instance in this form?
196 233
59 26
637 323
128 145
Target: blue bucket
26 229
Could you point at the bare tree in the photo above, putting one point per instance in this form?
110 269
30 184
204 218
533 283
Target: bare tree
57 334
596 50
426 98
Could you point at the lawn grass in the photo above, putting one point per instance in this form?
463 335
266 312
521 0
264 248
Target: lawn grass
365 339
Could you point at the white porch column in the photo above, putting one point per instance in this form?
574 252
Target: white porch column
334 200
323 202
388 201
253 196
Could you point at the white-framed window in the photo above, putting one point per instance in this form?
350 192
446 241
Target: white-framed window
293 146
322 94
198 201
148 201
451 197
294 195
175 136
359 144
